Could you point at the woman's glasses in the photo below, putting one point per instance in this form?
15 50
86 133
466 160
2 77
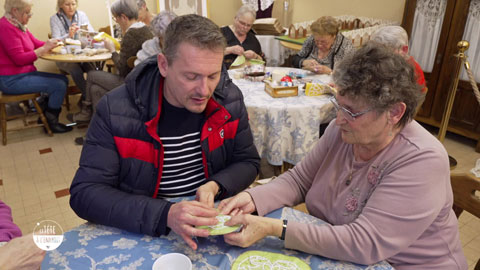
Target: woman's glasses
348 115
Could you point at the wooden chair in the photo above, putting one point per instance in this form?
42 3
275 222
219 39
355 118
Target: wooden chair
4 99
464 198
131 61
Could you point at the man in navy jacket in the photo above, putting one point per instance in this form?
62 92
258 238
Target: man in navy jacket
177 127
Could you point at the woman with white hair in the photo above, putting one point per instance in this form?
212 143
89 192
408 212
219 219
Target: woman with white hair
144 15
241 39
396 38
65 24
154 46
18 50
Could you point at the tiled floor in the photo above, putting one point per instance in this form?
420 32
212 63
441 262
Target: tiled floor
36 172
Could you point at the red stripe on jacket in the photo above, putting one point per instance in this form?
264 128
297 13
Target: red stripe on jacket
138 149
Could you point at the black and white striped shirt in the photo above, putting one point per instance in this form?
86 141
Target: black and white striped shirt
179 131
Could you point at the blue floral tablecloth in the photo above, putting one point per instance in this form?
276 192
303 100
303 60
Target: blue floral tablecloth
284 129
91 246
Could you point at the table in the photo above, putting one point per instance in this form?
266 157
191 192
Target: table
91 246
284 129
275 53
97 60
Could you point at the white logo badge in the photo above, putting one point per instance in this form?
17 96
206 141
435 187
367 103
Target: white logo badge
48 235
221 133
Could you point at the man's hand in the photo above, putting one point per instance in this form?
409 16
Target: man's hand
21 254
184 216
254 229
238 204
206 193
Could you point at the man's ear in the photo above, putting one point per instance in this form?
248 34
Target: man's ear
396 112
162 63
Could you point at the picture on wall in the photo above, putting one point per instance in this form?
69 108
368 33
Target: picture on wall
182 7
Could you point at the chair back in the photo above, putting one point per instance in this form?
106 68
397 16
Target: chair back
464 188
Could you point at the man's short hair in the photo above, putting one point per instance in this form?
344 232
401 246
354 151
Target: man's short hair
195 30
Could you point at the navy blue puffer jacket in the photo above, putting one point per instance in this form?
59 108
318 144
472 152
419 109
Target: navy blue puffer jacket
121 162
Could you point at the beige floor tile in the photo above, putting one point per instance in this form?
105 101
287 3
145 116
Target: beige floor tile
467 234
471 254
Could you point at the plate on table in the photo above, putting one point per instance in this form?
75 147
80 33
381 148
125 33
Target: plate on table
220 228
256 259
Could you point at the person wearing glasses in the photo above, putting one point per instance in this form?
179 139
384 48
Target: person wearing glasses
134 32
19 49
377 177
65 24
240 37
324 48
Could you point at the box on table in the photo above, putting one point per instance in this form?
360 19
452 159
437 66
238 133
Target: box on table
281 91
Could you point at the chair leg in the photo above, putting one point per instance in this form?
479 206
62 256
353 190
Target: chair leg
67 101
42 117
3 118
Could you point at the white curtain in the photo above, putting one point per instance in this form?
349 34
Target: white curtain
427 25
472 35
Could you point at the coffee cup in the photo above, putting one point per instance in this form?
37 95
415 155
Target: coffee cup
172 261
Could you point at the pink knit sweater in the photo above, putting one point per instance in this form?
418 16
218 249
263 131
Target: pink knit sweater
17 49
397 207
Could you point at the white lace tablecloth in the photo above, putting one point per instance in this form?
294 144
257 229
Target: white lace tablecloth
275 53
284 129
92 246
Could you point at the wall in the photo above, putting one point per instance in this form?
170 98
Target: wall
221 12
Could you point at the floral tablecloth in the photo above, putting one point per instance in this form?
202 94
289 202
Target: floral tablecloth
284 129
91 246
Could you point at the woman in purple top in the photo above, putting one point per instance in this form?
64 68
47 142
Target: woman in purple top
379 179
8 229
20 252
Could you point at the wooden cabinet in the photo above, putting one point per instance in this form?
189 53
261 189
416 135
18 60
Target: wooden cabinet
465 116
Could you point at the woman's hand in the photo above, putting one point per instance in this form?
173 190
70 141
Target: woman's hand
109 45
184 216
241 203
313 66
21 253
72 30
254 229
206 193
251 55
237 49
49 44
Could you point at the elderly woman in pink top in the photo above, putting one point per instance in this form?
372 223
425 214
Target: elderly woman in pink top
18 50
379 179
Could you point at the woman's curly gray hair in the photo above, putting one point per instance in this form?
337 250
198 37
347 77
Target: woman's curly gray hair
374 74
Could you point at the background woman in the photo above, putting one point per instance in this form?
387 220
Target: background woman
125 13
379 179
324 48
65 23
18 50
241 39
154 46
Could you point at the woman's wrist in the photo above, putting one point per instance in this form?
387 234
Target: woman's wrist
276 227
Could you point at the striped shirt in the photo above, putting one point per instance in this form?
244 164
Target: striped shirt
179 131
